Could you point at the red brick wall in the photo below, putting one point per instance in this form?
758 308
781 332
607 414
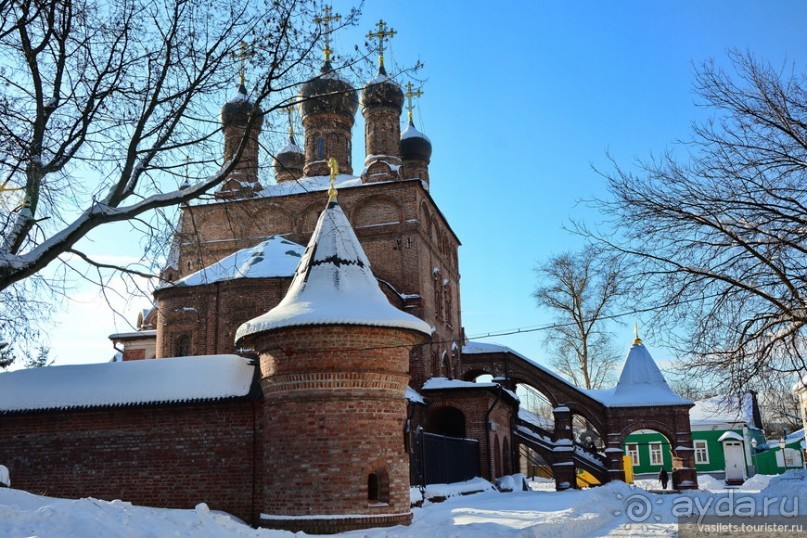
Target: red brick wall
400 228
474 404
164 456
341 390
212 313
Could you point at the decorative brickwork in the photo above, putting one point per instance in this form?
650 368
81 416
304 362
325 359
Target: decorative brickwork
340 389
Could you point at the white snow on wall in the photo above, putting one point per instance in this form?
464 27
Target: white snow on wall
274 257
177 379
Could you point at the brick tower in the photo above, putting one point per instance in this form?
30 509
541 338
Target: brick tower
334 361
238 115
381 105
289 161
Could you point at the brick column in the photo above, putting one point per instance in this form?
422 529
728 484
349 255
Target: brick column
614 453
563 461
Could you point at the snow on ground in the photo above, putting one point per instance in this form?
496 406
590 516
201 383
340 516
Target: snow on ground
616 509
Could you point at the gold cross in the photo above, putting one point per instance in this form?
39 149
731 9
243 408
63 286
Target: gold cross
381 35
409 95
242 55
333 164
326 20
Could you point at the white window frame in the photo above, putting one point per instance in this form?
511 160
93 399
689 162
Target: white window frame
701 451
633 451
656 454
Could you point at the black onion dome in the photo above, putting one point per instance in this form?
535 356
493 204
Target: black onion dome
415 145
236 111
382 91
328 93
291 157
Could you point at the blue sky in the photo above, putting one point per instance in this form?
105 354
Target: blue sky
522 100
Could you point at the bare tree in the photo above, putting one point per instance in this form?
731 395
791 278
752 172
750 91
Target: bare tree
581 289
103 105
719 239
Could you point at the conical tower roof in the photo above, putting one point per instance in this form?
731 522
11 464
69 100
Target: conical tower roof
333 285
641 383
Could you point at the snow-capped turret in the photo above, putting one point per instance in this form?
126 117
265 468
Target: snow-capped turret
290 160
416 148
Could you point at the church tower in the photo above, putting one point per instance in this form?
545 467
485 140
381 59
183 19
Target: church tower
334 361
238 114
381 105
328 104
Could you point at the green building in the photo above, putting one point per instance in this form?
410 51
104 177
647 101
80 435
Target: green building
728 440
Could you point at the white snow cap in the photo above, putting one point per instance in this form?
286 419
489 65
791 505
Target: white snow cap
178 379
641 384
411 132
333 285
291 147
724 409
273 257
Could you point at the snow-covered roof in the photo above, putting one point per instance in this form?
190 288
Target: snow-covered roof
308 184
730 436
274 257
178 379
411 132
641 384
134 335
333 285
291 147
441 383
723 409
414 396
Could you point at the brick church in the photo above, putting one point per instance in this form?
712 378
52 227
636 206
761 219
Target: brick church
310 357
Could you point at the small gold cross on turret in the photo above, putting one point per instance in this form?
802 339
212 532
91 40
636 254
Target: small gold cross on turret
410 93
327 18
382 34
242 55
636 340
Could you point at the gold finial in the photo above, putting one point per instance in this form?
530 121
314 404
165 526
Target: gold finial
636 340
327 18
242 55
333 164
382 34
409 95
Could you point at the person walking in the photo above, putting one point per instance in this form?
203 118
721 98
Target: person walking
663 477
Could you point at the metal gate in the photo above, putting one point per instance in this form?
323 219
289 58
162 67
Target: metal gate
442 460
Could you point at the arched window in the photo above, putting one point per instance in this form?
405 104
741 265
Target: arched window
182 345
320 148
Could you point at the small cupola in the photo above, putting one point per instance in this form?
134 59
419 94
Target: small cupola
290 160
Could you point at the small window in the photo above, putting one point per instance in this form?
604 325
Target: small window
655 454
633 452
377 487
701 451
320 148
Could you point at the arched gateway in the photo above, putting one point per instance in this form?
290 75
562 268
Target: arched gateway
640 400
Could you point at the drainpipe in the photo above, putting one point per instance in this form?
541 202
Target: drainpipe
491 467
